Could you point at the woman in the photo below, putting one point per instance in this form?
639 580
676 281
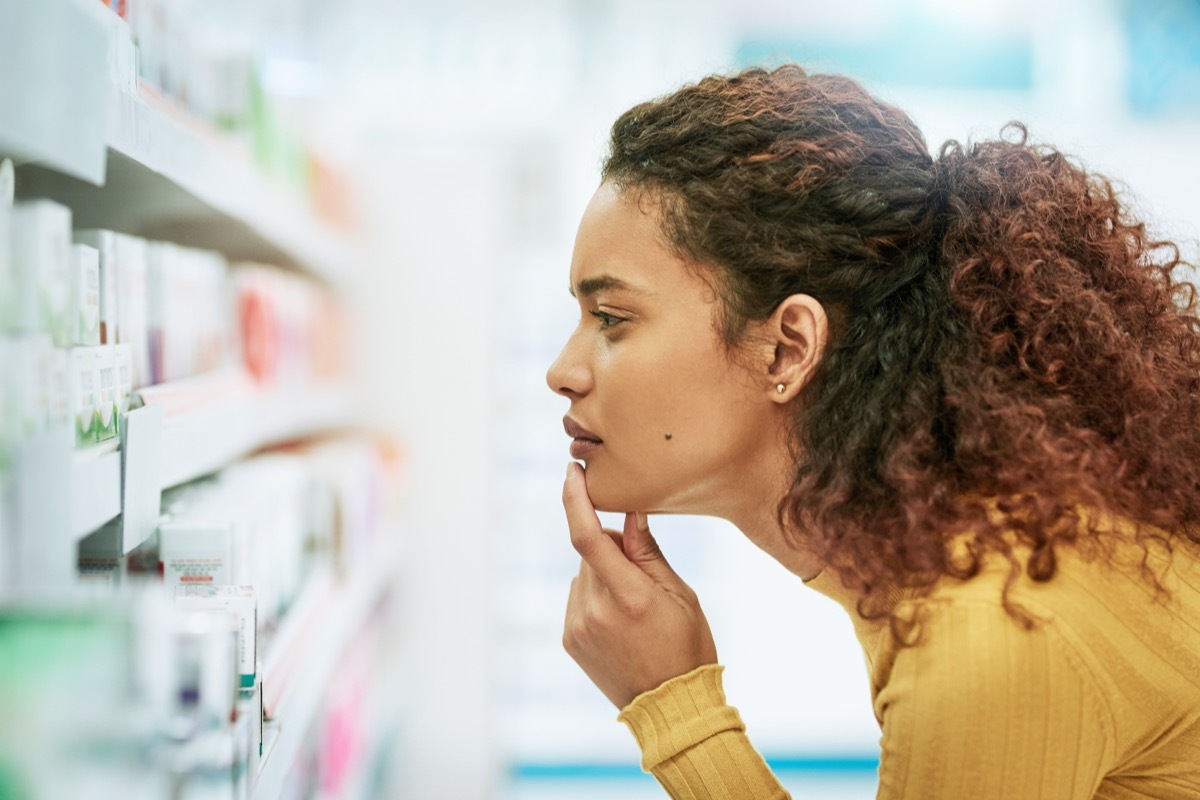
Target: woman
960 396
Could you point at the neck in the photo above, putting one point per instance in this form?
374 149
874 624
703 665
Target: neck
753 510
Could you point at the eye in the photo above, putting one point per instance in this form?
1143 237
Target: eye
606 320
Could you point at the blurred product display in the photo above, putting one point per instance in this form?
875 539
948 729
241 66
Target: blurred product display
196 551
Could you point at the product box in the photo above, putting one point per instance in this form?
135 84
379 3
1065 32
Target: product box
132 327
82 380
9 435
41 242
58 388
7 276
108 416
85 296
123 356
195 551
105 243
236 600
30 360
189 311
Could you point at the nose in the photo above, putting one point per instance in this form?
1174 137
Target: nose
570 374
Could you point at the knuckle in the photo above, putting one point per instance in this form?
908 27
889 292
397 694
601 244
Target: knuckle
594 618
583 544
636 607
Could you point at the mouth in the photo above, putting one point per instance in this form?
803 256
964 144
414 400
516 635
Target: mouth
583 441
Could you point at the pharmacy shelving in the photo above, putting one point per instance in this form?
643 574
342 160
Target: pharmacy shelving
177 177
182 181
95 488
304 654
201 440
202 437
137 162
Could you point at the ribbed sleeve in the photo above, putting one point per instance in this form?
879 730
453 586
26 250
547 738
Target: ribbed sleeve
695 744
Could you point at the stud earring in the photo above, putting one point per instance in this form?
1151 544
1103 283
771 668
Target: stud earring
779 388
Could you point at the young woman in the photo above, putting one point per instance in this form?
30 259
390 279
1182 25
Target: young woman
959 395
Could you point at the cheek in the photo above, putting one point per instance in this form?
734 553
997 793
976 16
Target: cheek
642 468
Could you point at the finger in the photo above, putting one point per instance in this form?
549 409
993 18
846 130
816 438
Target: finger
601 552
641 548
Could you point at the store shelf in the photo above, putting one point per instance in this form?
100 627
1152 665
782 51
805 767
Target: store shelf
213 191
134 161
52 85
213 421
210 423
174 178
95 488
305 653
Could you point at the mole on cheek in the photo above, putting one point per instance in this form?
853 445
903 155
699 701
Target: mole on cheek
667 437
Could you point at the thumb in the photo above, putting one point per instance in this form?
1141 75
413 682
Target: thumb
641 549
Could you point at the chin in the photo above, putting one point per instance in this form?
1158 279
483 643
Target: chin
619 494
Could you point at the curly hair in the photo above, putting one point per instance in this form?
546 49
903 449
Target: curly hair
1009 349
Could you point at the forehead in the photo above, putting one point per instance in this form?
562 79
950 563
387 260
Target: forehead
620 237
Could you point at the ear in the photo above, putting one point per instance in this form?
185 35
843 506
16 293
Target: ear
799 330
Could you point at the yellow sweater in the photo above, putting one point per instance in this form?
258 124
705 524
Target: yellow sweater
1100 700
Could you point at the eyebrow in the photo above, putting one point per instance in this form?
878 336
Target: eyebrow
589 286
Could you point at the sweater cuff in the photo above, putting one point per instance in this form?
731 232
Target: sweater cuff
679 714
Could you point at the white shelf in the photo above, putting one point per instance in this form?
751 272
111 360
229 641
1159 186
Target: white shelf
227 420
223 429
137 162
306 651
213 185
95 488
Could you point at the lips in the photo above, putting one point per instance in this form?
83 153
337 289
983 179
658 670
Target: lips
577 431
583 441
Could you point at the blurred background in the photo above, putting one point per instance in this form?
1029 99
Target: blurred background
352 224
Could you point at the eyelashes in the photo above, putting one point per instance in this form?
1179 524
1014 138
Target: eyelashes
607 320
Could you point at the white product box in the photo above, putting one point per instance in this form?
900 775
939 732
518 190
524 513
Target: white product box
105 243
30 361
194 551
9 433
108 417
85 296
58 388
188 311
82 380
239 601
123 356
7 275
131 305
41 234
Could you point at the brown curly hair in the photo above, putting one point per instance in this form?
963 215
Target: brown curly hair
1007 344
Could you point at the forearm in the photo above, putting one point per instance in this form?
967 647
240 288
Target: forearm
695 744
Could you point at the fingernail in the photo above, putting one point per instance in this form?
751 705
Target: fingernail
570 469
642 522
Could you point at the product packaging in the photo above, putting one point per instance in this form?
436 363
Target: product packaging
195 551
82 382
58 387
236 600
41 235
108 416
85 296
132 328
188 311
123 356
105 243
7 275
30 360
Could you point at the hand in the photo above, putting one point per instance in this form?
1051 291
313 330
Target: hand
632 623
